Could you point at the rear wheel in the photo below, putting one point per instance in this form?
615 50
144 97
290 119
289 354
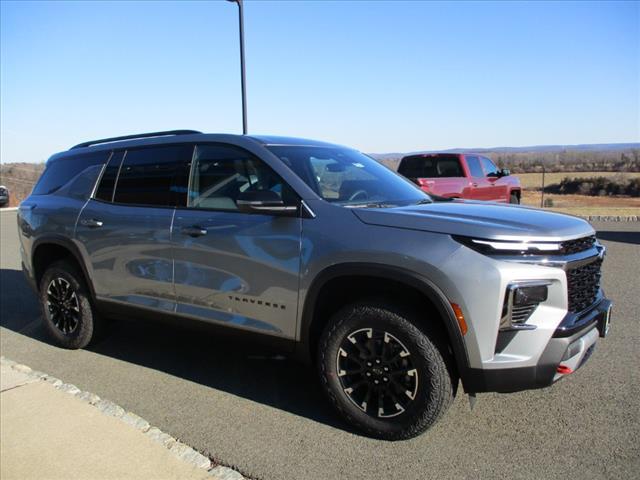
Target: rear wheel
383 374
68 315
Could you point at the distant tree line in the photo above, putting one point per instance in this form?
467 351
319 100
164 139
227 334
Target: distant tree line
563 161
569 161
600 186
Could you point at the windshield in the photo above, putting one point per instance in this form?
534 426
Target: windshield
348 177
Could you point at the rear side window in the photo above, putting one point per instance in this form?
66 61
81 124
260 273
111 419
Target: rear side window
62 171
104 191
434 166
147 176
474 167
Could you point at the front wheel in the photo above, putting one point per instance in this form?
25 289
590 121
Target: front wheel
383 374
514 198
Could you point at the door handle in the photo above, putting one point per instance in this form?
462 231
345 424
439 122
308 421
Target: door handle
91 223
474 184
194 231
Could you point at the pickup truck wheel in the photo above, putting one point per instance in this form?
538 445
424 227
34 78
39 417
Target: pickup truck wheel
383 374
68 315
514 198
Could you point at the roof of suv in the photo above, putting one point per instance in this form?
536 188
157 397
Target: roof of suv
171 136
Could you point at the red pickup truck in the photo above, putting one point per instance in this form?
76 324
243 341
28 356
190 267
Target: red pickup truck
461 175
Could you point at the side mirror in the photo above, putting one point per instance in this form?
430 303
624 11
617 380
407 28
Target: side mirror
265 202
505 172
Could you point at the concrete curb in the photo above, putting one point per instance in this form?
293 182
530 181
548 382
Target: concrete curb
177 448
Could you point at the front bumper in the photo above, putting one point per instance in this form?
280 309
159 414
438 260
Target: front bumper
569 348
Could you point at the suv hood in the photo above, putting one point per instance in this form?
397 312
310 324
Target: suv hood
490 221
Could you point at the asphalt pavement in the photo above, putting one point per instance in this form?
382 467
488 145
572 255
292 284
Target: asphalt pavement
267 418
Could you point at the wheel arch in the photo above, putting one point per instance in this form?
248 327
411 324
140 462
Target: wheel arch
415 284
58 247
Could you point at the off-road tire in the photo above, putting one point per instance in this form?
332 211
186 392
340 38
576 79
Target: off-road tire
435 388
89 324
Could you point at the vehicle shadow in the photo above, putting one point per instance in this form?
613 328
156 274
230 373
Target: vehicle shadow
249 371
621 237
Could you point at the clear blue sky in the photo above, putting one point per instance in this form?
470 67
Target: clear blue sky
379 76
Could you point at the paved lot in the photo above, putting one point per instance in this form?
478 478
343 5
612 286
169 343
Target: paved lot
267 417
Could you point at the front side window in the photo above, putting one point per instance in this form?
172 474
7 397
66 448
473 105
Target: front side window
474 167
220 174
147 175
490 170
348 177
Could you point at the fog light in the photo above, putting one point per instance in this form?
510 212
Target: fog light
520 301
530 295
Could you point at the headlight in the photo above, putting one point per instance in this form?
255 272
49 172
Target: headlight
506 247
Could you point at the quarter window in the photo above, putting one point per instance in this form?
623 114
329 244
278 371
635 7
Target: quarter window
147 175
62 171
220 174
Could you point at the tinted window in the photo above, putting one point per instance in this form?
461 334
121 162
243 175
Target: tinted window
348 177
489 167
107 182
431 166
62 171
474 166
220 174
147 175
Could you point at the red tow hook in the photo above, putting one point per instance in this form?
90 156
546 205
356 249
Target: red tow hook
563 370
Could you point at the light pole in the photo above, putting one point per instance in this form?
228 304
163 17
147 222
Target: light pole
242 69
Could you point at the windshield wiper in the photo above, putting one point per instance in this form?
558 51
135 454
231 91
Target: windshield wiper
371 205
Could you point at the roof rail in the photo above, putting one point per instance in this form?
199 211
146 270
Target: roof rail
131 137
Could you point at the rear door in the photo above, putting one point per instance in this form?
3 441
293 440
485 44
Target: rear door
124 230
232 268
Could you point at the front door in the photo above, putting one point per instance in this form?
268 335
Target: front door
479 183
497 189
234 268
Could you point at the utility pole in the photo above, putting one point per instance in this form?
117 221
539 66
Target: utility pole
242 66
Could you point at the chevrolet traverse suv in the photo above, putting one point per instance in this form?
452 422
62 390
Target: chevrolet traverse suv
396 297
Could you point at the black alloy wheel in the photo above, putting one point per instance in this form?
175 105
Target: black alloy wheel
385 369
67 310
63 305
376 372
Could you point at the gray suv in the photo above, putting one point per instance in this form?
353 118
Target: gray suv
395 296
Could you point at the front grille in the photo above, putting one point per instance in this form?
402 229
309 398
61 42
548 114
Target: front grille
577 245
583 285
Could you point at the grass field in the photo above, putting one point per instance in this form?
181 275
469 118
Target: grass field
534 180
583 205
